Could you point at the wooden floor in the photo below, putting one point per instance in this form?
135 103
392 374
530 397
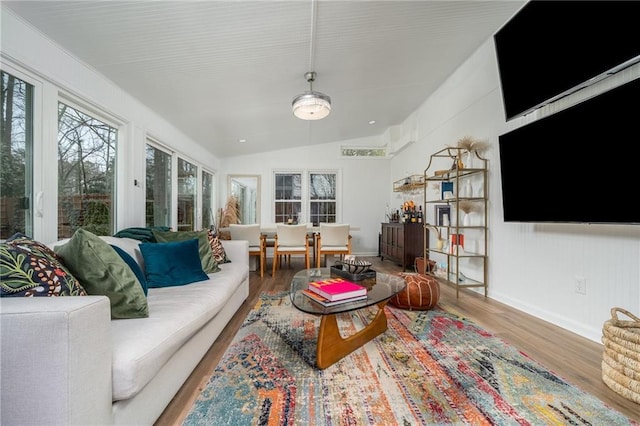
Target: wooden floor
574 358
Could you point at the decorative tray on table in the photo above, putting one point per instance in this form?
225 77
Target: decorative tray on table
353 269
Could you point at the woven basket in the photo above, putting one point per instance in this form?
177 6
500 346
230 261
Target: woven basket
621 356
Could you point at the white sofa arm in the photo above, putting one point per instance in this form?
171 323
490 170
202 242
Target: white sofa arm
237 250
56 353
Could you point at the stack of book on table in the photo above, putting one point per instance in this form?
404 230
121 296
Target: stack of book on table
334 291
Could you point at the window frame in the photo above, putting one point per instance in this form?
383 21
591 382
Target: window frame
153 143
27 192
40 224
200 220
101 114
334 200
305 199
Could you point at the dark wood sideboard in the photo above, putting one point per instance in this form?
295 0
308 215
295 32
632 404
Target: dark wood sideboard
402 243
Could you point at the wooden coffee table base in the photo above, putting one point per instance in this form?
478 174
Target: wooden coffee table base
332 346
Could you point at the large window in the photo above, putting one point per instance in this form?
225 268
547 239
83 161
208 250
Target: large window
16 143
187 186
51 203
86 173
158 187
306 197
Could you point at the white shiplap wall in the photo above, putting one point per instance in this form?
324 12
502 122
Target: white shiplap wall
532 267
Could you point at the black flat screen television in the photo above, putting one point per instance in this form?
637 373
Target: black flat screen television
549 48
579 165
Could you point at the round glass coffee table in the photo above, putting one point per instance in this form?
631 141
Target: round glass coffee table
331 345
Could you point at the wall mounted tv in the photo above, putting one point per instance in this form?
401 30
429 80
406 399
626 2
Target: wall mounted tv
549 48
579 165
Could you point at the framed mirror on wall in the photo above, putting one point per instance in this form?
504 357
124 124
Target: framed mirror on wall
246 189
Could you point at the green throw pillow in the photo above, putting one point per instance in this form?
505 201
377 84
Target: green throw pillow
101 271
209 264
172 264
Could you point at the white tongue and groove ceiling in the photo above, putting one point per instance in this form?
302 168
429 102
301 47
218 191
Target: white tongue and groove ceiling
225 70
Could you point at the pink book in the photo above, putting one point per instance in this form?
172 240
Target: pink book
337 289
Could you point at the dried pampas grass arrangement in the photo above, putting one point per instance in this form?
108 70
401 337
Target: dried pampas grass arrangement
473 145
467 206
230 214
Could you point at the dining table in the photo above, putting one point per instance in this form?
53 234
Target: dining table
270 230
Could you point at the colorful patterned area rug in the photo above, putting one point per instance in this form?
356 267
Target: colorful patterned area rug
429 368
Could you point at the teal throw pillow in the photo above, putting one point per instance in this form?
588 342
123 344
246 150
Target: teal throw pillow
209 264
134 267
101 271
172 264
28 268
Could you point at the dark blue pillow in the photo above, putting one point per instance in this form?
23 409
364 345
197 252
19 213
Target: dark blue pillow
134 267
172 264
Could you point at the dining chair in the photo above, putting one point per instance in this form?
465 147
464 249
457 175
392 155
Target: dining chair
333 238
257 241
290 239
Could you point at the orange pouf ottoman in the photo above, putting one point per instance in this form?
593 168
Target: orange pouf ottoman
421 293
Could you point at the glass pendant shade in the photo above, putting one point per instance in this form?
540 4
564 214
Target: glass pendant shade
311 106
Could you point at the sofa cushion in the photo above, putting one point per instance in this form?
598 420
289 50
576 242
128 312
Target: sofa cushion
101 271
131 263
172 264
143 346
144 234
129 245
29 268
216 248
209 264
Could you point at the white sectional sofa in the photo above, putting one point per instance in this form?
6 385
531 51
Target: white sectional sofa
64 361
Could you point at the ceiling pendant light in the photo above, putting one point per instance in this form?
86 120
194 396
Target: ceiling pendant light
311 105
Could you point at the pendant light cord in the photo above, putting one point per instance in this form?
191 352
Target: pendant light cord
314 7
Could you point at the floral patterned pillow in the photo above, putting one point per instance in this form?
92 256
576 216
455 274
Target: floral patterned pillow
29 268
216 248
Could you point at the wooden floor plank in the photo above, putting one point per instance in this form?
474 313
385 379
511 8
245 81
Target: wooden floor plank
572 357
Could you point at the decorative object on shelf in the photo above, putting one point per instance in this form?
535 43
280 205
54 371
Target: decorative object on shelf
471 148
439 241
409 184
456 244
468 207
422 267
467 190
446 189
442 212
